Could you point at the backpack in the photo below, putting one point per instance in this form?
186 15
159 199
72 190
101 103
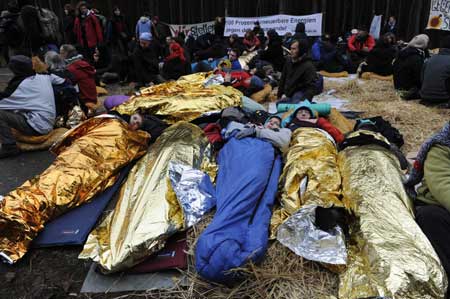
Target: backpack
50 25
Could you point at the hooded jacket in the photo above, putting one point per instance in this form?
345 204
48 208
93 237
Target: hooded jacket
298 76
143 25
436 77
83 75
92 28
407 68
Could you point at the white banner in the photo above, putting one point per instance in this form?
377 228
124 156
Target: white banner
195 29
281 23
439 15
375 27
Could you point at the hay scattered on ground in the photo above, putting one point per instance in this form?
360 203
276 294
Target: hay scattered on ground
416 122
281 275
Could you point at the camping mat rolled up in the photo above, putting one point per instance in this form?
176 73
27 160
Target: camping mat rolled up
310 175
147 212
182 100
89 158
388 253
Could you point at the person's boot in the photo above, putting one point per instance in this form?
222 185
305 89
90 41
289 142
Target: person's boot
9 150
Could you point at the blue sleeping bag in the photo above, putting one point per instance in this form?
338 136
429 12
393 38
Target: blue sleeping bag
246 188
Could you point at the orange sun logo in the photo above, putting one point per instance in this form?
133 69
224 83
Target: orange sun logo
435 22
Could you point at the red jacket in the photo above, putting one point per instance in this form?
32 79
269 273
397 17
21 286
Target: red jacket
250 43
330 129
93 30
84 76
354 45
238 78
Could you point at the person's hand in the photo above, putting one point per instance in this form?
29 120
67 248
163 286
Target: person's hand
247 132
227 77
365 49
283 97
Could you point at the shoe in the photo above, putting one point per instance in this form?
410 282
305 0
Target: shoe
9 150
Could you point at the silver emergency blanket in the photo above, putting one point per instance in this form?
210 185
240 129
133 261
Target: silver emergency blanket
300 234
193 189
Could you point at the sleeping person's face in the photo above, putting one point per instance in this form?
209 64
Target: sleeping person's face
135 122
273 123
303 114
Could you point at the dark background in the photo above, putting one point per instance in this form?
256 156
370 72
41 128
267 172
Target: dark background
339 15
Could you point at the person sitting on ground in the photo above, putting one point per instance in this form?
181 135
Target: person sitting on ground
432 167
104 67
83 75
233 42
359 45
27 104
248 84
407 67
175 65
215 51
251 41
274 52
379 60
259 32
304 116
233 56
66 96
299 80
145 62
271 131
436 76
329 57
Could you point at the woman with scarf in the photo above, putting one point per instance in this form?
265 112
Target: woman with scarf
175 65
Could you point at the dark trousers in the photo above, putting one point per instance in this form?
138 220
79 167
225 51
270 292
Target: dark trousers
10 120
435 223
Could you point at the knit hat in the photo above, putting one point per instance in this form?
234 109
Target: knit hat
21 65
304 107
145 36
419 41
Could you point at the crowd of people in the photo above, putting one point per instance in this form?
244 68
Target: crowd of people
92 50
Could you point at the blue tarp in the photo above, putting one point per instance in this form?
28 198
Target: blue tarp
73 227
246 188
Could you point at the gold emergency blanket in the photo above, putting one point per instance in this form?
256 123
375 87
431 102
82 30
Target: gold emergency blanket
147 212
182 100
311 164
89 157
388 253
